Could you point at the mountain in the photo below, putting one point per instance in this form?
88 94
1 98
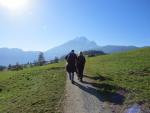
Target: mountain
12 56
83 44
78 44
115 49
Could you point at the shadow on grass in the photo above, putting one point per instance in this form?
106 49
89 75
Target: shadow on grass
142 72
98 77
1 88
56 68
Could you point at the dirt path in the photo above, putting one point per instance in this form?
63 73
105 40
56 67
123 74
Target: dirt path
83 98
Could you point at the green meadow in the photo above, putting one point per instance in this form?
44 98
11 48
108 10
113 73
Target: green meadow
32 90
129 71
40 89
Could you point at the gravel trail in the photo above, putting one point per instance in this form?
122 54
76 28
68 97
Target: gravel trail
83 98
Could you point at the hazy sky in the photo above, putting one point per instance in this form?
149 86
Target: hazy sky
43 24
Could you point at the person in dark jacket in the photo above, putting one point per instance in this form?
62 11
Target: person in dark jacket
71 64
80 65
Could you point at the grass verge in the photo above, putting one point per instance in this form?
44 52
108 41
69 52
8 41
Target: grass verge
124 73
33 90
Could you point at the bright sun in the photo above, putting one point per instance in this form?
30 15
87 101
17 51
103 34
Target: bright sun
13 4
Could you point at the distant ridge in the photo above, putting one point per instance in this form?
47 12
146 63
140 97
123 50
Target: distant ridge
115 49
14 55
11 56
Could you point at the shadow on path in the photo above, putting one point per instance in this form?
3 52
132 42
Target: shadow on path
104 92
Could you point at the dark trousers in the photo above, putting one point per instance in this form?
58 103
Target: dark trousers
80 71
71 76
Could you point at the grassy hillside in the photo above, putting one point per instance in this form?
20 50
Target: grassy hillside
129 71
33 90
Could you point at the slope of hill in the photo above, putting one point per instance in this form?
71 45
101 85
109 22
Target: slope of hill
32 90
129 71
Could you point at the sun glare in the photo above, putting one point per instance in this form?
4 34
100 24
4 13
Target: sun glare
13 4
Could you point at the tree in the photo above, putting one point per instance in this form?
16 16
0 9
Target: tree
56 60
35 63
41 59
9 67
91 53
18 66
2 68
15 67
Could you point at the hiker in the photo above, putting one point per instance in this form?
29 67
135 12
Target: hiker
71 64
80 65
